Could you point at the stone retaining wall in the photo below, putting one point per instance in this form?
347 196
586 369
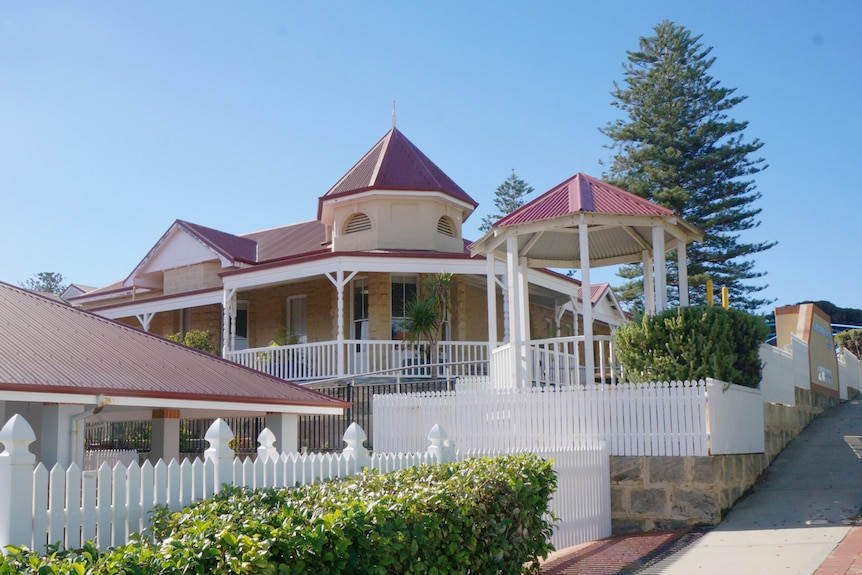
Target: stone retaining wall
658 493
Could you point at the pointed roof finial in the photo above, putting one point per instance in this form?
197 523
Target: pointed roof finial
393 114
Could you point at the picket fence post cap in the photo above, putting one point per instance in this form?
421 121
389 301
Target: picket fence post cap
354 435
16 436
219 431
437 434
266 438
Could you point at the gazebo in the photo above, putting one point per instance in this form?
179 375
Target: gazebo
582 223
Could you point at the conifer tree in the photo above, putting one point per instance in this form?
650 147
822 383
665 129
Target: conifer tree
678 147
508 198
48 282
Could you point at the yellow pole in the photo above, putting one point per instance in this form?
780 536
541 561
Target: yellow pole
724 297
709 293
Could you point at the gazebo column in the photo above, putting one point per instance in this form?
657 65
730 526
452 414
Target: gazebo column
165 440
513 289
586 299
659 265
649 292
682 272
524 292
339 281
506 335
285 427
491 291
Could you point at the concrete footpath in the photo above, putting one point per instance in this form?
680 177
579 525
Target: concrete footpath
798 520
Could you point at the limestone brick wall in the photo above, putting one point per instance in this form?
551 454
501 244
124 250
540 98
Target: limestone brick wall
472 314
207 318
541 322
267 310
165 323
656 493
379 306
194 277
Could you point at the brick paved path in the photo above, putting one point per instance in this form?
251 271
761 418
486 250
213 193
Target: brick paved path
846 559
617 555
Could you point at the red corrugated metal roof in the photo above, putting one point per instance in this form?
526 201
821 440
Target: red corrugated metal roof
47 346
287 241
231 246
582 193
394 163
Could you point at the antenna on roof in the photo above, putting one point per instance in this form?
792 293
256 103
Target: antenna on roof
393 114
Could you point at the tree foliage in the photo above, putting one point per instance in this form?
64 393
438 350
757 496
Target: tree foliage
690 343
850 339
48 282
196 338
510 196
427 314
678 147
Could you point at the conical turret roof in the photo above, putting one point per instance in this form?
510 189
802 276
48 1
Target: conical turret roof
395 163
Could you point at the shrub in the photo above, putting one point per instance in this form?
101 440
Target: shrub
691 343
196 338
850 339
477 516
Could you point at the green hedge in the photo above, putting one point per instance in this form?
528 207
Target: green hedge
483 516
692 343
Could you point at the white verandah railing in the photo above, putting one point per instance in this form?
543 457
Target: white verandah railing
556 361
653 419
310 361
69 506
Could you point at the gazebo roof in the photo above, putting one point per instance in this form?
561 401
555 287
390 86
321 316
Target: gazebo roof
620 226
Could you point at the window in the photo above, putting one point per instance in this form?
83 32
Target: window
357 223
403 293
360 308
296 315
446 226
241 326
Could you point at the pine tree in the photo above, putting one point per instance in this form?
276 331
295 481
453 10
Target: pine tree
48 282
508 198
678 148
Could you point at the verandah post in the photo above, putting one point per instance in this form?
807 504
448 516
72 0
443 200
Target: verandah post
16 477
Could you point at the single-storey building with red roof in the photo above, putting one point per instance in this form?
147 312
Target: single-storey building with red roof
61 367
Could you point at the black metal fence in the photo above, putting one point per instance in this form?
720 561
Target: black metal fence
316 432
324 432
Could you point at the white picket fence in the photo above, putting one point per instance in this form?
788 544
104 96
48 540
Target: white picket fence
658 419
94 459
69 506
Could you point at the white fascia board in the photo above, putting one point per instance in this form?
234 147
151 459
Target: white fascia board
162 403
552 282
305 270
150 306
398 194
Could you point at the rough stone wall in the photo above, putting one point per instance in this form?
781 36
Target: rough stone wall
656 493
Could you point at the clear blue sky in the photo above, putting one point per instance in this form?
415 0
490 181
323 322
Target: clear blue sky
116 118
